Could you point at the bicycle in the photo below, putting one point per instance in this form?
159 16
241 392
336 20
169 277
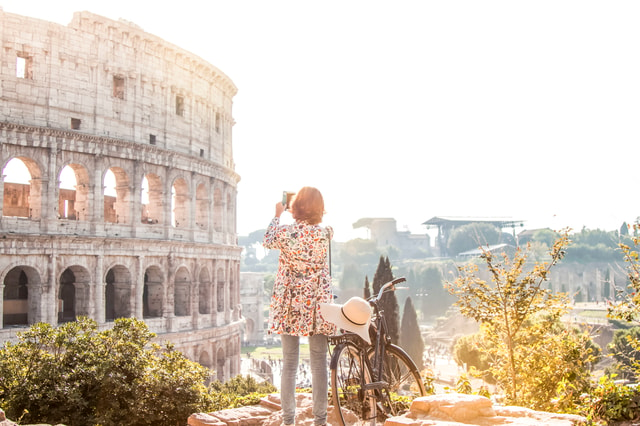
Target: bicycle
373 381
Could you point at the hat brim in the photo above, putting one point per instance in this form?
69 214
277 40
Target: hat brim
333 314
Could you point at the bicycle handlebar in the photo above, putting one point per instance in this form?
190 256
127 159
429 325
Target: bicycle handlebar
390 285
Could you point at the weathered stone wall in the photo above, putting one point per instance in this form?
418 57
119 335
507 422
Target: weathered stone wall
106 100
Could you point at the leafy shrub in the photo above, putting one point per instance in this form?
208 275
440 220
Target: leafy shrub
238 392
77 375
609 402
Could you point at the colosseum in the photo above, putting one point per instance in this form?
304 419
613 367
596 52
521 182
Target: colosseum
119 189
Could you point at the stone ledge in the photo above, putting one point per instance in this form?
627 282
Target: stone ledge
449 409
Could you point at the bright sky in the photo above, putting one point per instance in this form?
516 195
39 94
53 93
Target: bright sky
412 108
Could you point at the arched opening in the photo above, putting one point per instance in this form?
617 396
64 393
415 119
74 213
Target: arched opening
152 293
22 188
202 207
181 296
204 292
118 293
151 199
17 299
73 294
117 196
73 193
180 204
67 297
205 360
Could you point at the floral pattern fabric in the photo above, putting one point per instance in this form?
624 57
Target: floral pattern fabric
302 280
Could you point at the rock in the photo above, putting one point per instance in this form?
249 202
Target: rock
454 409
450 409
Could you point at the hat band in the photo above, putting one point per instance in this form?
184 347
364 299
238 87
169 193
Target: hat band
349 319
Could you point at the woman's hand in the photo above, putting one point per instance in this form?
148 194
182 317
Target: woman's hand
279 208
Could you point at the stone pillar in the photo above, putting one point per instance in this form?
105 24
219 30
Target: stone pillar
49 305
99 293
227 292
214 294
138 288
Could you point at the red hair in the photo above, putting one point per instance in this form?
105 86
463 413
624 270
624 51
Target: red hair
308 206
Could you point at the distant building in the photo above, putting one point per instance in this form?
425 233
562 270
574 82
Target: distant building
385 233
446 224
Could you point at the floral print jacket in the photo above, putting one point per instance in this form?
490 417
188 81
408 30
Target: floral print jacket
303 278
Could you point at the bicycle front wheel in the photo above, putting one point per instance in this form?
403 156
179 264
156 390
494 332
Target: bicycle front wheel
403 377
349 373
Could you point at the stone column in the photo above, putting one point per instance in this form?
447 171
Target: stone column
138 284
99 294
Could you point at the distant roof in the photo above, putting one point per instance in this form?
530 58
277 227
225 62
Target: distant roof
501 222
367 221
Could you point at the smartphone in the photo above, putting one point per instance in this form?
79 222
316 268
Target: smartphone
286 199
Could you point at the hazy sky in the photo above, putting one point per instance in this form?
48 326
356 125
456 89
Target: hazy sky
414 109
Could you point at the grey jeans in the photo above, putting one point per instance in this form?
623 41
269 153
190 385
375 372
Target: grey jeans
319 377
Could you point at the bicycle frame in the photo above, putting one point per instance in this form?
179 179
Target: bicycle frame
372 363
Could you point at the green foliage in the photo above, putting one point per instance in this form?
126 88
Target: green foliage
427 288
472 236
625 350
611 402
428 378
410 337
388 302
77 375
238 392
469 351
593 246
528 351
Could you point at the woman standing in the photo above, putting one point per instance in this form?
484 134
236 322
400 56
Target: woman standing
302 282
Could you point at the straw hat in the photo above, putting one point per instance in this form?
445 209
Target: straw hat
354 316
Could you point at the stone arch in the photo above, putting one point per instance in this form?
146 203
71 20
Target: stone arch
152 294
73 192
117 297
22 196
204 292
182 292
19 298
151 199
220 289
204 359
220 363
73 293
180 203
117 195
202 206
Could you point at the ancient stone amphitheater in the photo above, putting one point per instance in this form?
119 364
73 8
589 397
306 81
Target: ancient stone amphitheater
119 189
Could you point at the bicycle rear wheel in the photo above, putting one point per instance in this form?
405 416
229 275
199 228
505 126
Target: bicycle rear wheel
405 382
348 374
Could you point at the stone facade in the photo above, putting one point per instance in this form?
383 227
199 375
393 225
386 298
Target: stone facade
252 298
128 208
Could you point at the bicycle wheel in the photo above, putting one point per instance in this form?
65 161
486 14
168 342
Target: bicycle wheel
405 382
348 374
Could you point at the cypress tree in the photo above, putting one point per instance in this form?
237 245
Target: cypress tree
410 336
367 288
389 302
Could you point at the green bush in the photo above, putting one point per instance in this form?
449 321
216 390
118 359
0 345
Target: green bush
77 375
238 392
611 402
